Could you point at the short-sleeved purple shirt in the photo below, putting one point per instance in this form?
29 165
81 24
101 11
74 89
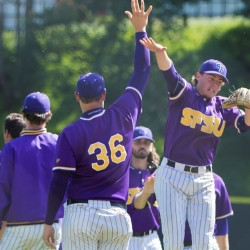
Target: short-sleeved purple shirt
194 124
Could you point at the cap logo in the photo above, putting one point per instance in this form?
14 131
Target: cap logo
143 131
220 67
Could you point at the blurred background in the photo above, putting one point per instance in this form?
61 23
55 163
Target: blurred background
45 45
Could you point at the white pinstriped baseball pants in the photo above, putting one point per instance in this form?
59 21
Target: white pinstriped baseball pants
27 237
182 195
214 246
146 242
96 225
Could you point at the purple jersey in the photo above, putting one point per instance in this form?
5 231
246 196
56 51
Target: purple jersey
148 218
194 124
25 174
95 150
223 205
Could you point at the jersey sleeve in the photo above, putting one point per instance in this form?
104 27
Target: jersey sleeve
175 83
6 179
141 72
64 157
223 204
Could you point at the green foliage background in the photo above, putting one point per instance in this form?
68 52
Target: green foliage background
57 55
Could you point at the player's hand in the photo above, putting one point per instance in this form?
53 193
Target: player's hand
48 236
149 185
138 17
151 45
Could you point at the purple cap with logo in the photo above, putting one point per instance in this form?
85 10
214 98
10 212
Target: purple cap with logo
90 85
143 133
212 66
37 103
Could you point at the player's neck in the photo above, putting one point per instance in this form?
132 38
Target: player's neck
34 126
139 163
90 106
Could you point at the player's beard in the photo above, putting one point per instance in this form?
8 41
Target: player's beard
140 154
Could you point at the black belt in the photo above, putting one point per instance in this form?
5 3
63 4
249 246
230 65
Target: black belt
140 234
115 204
189 169
187 244
14 224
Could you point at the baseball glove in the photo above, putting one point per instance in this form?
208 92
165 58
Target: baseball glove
240 97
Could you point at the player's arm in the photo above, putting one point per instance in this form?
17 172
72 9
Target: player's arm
221 233
162 58
223 242
175 83
57 191
6 180
141 198
139 20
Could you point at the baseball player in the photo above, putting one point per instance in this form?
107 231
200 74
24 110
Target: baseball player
184 184
223 211
93 157
13 125
25 174
145 219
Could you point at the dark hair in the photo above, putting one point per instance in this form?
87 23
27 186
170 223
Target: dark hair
37 119
14 124
89 100
153 156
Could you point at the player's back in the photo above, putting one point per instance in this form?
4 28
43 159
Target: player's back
100 143
28 160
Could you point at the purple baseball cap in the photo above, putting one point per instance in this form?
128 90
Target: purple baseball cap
212 66
36 103
90 85
143 133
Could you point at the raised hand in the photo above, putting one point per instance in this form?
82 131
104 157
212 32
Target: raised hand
151 45
138 17
149 185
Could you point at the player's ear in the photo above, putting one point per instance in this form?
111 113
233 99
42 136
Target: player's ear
104 95
77 96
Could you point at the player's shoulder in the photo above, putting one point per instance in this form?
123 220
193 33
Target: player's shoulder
70 127
52 135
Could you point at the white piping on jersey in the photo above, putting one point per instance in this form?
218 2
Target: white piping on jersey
225 216
64 168
136 91
176 97
91 118
236 121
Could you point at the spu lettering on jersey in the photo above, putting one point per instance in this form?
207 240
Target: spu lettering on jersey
209 124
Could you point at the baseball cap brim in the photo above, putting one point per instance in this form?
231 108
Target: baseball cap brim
216 73
143 137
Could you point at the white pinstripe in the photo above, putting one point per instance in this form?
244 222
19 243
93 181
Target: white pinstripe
27 237
214 246
96 225
147 242
182 195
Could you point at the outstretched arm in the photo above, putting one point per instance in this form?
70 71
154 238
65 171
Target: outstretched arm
138 17
139 20
163 61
